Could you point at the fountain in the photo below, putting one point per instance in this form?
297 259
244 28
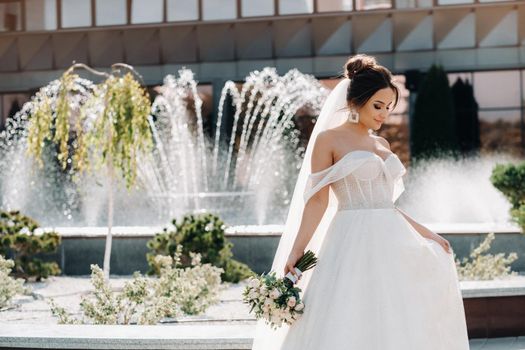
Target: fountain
246 178
187 172
245 175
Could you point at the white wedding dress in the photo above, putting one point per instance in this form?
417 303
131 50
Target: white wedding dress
378 284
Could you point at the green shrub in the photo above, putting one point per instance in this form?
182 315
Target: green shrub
10 286
510 180
176 292
19 242
203 234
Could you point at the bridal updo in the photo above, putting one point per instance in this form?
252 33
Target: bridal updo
367 77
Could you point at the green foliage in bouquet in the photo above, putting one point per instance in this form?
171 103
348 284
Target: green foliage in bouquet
203 234
19 241
509 179
10 286
146 300
485 266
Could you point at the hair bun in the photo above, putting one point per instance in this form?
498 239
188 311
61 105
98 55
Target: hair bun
358 63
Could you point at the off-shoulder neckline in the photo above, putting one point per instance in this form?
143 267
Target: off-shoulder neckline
391 155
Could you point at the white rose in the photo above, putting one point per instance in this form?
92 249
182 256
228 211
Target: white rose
255 283
299 307
263 289
272 307
275 293
253 295
291 301
268 301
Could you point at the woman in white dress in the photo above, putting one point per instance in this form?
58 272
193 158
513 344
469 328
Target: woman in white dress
382 281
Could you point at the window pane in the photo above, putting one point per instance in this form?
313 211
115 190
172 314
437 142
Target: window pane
10 17
497 89
287 7
373 4
218 9
111 12
146 11
76 13
500 131
452 77
400 4
257 8
182 10
452 2
334 5
41 15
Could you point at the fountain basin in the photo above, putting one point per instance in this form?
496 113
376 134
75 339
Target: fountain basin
254 245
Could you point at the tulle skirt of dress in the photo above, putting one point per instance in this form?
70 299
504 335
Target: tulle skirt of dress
378 285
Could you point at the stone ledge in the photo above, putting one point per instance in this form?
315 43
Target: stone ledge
231 337
511 286
264 230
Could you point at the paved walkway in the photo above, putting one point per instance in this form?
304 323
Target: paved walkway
226 325
189 336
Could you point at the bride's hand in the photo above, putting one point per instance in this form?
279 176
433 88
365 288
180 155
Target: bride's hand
442 242
292 260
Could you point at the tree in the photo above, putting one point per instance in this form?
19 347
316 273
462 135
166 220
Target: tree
106 126
433 129
467 121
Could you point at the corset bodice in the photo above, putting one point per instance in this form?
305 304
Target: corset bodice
361 179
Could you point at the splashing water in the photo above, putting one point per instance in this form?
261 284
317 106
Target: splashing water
246 177
456 191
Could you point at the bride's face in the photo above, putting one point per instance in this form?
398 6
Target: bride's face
376 110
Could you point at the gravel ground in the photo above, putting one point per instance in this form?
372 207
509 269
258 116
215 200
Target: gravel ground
67 291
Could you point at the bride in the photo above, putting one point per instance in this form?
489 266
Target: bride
382 280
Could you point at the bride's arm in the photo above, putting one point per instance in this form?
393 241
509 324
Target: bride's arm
316 206
425 232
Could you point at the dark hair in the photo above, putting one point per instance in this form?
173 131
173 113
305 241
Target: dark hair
367 77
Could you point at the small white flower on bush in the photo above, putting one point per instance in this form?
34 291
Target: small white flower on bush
143 300
9 286
485 266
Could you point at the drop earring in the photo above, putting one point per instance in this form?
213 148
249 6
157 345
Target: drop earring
353 116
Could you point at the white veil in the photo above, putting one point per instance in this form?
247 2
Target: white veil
333 113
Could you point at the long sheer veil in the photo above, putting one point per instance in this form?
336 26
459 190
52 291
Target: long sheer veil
333 113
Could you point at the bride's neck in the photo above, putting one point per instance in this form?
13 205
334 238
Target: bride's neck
358 128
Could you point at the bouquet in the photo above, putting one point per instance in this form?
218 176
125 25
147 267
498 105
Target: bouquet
276 300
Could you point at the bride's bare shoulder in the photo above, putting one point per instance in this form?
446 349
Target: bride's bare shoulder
322 151
324 139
